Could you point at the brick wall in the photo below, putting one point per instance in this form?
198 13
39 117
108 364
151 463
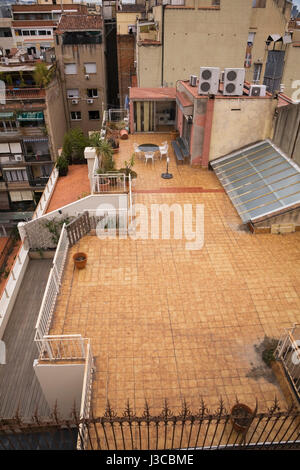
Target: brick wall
126 57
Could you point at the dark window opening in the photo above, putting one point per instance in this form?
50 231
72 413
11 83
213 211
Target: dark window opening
94 115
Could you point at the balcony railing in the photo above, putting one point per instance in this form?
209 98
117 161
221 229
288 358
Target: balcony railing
25 93
288 351
38 158
41 181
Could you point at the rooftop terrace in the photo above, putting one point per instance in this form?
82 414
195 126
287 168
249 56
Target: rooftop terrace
165 322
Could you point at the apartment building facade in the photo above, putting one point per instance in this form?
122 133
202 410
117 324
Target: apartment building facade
79 51
31 131
33 26
180 36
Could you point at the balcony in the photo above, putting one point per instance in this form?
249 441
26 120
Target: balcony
29 93
40 181
38 158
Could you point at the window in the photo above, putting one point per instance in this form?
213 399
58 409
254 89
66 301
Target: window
13 175
257 72
251 37
26 32
42 32
215 3
33 32
90 67
92 93
75 115
94 115
74 93
17 196
5 33
70 69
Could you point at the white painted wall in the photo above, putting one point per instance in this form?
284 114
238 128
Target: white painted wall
10 293
62 383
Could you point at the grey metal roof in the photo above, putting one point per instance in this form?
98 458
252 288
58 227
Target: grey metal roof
260 181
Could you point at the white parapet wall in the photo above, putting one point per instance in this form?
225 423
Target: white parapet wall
12 286
38 234
61 385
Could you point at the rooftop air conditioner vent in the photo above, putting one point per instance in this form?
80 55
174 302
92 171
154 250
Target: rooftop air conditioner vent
258 90
234 82
90 101
18 158
193 80
74 101
209 80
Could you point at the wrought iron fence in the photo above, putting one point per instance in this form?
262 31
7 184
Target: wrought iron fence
201 430
288 351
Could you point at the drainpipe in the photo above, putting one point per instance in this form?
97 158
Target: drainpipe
162 43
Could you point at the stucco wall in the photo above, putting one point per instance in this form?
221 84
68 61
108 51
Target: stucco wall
149 66
124 19
55 118
292 72
234 129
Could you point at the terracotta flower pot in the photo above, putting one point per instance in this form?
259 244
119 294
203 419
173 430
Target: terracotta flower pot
123 134
241 417
80 260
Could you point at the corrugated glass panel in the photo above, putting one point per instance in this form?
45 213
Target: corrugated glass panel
259 180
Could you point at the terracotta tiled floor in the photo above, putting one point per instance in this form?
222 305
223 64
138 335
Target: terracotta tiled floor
165 322
71 187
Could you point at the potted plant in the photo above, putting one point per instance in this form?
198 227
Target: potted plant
127 170
62 165
105 158
80 260
241 417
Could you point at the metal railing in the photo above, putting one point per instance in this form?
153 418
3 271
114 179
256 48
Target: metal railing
46 196
110 183
288 351
86 398
61 347
52 288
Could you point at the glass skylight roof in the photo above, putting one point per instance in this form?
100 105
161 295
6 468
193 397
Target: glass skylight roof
259 180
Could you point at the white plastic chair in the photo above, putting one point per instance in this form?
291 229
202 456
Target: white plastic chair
137 151
163 150
149 156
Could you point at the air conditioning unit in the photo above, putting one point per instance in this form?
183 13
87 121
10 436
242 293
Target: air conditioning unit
90 101
18 158
258 90
87 77
209 80
74 101
234 82
193 80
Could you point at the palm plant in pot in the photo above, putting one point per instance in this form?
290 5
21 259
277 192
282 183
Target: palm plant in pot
127 169
105 158
62 165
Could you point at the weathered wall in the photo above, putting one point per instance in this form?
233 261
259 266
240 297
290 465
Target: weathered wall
287 131
291 73
238 122
55 118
